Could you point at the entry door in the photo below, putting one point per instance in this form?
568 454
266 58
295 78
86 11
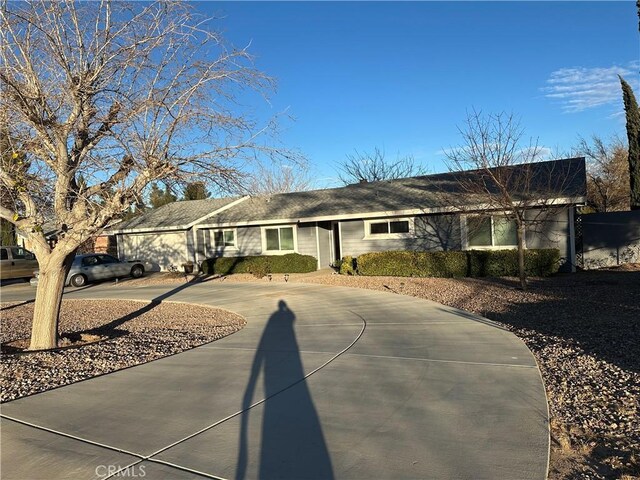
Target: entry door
335 233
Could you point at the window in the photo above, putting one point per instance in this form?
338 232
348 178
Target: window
279 239
20 253
396 228
224 238
484 231
5 254
88 261
108 259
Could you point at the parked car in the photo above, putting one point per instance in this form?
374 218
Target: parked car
93 267
16 262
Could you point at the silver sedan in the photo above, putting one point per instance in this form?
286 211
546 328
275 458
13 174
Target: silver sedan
98 266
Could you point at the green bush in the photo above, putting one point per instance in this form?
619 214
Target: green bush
504 263
473 263
413 264
260 265
347 266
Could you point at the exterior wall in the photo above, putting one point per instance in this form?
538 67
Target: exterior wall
611 239
157 250
307 244
248 242
553 232
432 233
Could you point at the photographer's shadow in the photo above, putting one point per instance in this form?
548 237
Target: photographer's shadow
292 444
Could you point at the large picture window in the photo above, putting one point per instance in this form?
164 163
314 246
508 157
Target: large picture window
485 231
392 228
279 239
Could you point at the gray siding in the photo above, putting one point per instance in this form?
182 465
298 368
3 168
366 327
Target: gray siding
307 244
553 231
248 242
432 232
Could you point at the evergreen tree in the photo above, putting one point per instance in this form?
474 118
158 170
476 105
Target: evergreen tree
196 191
159 197
633 135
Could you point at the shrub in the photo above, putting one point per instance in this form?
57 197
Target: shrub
260 265
347 266
474 263
413 264
504 263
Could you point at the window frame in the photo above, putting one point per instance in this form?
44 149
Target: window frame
263 235
388 236
212 239
493 246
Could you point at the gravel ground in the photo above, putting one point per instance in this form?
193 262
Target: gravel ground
135 332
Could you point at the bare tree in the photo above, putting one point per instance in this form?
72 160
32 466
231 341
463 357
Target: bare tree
497 173
119 95
375 166
607 173
278 177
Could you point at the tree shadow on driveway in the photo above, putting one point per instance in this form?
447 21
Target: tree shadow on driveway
292 444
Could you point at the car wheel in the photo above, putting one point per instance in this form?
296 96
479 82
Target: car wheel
137 271
78 280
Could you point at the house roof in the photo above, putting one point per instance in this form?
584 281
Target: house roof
430 193
558 178
175 215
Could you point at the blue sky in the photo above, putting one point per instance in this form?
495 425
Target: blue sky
401 76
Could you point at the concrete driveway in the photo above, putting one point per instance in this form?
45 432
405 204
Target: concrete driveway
323 382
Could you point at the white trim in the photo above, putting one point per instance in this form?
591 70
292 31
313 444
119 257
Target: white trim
393 213
180 227
263 237
572 239
318 246
465 234
340 241
389 236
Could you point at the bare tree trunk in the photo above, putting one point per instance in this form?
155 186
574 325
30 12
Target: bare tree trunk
53 272
521 270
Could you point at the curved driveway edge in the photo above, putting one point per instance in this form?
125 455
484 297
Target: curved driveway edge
423 391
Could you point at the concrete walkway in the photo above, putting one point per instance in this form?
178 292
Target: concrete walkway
323 382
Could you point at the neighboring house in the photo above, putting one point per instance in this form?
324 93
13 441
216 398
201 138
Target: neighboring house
404 214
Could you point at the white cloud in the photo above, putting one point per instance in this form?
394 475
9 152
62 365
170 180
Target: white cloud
580 88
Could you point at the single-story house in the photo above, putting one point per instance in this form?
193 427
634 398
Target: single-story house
404 214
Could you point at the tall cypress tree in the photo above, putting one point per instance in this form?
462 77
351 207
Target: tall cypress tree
633 135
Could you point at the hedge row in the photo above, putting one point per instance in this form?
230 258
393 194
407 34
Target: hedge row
471 263
260 266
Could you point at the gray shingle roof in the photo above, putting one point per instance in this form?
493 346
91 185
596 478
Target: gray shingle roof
176 214
566 178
